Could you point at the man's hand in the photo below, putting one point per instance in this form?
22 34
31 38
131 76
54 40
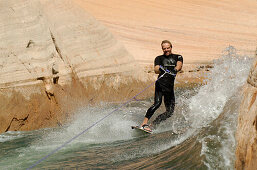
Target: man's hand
163 69
174 71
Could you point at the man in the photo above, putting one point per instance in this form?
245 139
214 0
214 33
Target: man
167 66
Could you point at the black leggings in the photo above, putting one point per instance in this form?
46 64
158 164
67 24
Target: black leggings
169 101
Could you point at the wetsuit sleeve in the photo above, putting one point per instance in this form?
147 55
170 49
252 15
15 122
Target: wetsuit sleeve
157 61
180 58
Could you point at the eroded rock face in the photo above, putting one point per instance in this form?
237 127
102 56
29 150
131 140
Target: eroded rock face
199 30
54 57
39 36
246 153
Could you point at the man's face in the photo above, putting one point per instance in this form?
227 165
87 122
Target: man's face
166 48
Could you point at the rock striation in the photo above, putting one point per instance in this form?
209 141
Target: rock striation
42 37
54 57
246 152
199 30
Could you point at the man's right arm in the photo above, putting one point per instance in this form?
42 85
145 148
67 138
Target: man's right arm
157 69
157 64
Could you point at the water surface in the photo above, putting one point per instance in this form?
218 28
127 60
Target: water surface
200 134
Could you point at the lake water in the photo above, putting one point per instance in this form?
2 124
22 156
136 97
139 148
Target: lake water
200 134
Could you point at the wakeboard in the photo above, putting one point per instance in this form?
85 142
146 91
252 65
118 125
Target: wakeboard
137 128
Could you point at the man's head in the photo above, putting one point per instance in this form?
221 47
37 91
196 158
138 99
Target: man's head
166 47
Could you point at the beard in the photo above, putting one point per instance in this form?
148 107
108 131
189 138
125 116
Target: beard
167 53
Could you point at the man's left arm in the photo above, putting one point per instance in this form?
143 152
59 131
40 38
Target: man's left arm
179 66
179 63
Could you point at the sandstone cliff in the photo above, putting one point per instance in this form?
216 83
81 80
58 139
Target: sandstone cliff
199 30
54 57
246 153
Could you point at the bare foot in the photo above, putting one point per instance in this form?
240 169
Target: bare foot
146 127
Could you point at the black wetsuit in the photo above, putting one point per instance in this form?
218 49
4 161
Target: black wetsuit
164 87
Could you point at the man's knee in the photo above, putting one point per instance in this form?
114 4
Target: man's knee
156 105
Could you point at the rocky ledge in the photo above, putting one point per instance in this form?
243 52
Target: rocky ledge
246 152
54 58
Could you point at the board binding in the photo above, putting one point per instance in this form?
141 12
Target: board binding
140 129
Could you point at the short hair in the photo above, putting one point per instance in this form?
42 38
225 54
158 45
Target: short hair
166 41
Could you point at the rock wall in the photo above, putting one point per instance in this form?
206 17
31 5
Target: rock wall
246 152
199 30
54 58
38 37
